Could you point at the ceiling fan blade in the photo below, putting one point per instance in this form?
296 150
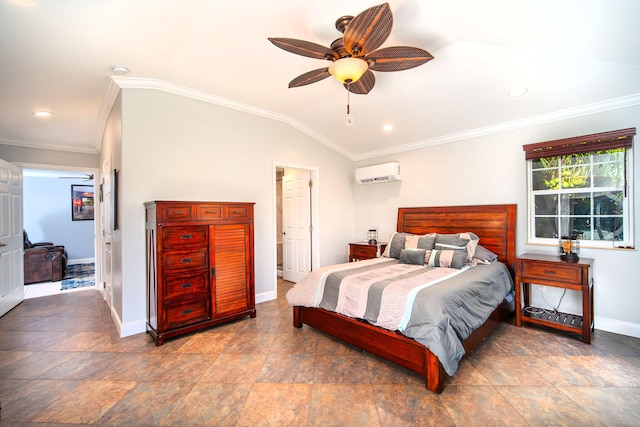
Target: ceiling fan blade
367 31
363 85
304 48
310 77
397 58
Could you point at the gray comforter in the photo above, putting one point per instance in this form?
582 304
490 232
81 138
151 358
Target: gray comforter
438 307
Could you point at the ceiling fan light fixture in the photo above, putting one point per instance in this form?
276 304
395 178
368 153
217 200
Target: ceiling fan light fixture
348 70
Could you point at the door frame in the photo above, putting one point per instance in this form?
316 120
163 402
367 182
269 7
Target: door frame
315 217
97 241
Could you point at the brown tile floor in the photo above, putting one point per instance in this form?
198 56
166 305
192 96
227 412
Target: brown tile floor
62 362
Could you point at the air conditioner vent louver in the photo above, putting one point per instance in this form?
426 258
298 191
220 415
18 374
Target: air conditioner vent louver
386 172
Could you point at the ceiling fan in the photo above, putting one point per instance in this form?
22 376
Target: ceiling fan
354 55
84 177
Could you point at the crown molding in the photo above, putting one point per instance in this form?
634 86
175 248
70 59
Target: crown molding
143 83
110 95
568 113
16 142
611 104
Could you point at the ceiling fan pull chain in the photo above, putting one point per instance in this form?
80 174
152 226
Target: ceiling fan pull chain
349 118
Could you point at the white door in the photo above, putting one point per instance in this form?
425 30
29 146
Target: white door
105 223
296 227
11 241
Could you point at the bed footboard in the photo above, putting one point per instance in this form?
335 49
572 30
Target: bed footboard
389 345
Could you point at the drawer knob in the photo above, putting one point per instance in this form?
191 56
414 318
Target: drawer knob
186 260
187 311
186 236
549 272
186 285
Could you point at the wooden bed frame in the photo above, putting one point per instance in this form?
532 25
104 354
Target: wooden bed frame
496 227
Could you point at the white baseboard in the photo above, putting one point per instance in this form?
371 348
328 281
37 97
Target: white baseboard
265 296
617 326
133 328
130 328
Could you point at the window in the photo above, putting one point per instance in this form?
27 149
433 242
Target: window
582 187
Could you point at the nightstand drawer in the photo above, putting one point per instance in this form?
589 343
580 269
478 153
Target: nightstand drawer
361 251
551 271
364 251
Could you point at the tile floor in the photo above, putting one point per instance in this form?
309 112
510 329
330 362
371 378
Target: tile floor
62 363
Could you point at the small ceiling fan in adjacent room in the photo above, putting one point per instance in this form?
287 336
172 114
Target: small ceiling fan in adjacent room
84 177
354 56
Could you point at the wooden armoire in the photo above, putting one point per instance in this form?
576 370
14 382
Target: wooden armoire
200 267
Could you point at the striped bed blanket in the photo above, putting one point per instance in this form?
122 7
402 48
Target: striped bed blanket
438 307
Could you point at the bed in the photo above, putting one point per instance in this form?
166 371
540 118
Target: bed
494 225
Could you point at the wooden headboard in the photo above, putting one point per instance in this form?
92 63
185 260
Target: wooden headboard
494 224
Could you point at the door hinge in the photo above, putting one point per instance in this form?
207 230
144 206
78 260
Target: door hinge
311 228
213 272
310 183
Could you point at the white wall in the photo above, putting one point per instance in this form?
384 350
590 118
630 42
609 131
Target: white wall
47 216
176 148
492 169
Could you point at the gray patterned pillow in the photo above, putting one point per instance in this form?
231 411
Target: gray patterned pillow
412 256
447 258
398 242
467 241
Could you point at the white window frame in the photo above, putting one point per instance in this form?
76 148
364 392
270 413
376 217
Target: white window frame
628 211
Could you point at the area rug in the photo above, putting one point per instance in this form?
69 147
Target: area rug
79 276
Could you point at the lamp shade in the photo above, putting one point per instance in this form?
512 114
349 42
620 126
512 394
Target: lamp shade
348 70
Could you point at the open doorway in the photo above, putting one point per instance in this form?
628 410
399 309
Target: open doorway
297 228
59 207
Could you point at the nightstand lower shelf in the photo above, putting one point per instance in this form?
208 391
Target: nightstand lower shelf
564 321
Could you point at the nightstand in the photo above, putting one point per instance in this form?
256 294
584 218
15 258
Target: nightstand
363 250
550 270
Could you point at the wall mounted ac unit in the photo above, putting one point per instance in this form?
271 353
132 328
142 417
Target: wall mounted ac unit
385 172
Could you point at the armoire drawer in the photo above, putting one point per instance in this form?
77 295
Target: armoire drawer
209 212
183 287
180 260
239 212
187 312
175 212
179 237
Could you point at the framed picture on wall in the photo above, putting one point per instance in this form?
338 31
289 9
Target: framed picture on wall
82 202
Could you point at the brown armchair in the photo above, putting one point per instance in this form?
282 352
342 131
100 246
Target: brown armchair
43 261
44 264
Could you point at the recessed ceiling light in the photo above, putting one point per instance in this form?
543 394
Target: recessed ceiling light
387 127
120 70
43 114
517 91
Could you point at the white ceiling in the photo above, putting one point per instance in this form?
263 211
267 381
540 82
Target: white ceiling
574 56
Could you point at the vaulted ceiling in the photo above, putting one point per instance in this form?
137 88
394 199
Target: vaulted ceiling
573 57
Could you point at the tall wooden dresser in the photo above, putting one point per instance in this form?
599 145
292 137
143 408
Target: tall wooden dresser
200 267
